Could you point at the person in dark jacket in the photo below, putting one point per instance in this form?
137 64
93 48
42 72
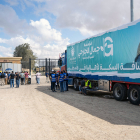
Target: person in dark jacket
61 79
50 79
66 81
81 85
2 79
17 80
8 78
47 77
53 79
12 76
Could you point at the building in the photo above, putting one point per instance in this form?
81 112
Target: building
10 62
16 60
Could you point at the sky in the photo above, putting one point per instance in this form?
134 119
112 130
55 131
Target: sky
50 25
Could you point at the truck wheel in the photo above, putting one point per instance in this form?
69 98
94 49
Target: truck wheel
134 94
119 92
76 85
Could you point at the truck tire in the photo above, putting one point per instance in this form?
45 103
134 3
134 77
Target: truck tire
134 94
120 92
76 85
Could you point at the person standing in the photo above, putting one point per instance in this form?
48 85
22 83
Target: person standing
38 77
17 80
22 75
2 79
47 77
19 77
81 85
50 79
53 79
61 78
12 76
6 78
9 78
26 78
64 82
57 82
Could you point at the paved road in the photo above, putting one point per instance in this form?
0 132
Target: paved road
33 112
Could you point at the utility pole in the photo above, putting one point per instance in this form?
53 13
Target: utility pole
131 6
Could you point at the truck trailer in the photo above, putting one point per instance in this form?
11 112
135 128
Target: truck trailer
110 59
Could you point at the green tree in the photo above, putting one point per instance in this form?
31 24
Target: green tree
25 52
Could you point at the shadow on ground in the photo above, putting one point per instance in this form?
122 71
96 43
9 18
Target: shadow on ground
110 110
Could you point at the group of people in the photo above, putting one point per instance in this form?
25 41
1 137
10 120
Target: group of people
11 77
59 81
4 76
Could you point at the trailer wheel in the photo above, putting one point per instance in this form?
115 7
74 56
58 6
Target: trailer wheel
119 92
76 85
134 94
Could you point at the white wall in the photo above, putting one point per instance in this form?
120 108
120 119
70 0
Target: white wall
14 67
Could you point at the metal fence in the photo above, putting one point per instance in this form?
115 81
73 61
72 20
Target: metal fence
41 65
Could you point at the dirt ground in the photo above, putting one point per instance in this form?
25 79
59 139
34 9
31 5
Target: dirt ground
33 112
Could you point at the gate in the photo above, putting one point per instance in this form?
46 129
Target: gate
43 65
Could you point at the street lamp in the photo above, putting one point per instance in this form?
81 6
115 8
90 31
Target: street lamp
131 6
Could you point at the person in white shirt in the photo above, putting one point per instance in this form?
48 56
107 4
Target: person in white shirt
6 78
38 77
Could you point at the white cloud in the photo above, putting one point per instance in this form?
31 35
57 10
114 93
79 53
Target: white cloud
10 22
53 43
85 31
47 51
2 40
8 54
44 29
12 2
38 34
6 51
20 40
41 0
90 16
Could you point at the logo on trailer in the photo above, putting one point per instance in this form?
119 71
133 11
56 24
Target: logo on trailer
72 51
110 46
